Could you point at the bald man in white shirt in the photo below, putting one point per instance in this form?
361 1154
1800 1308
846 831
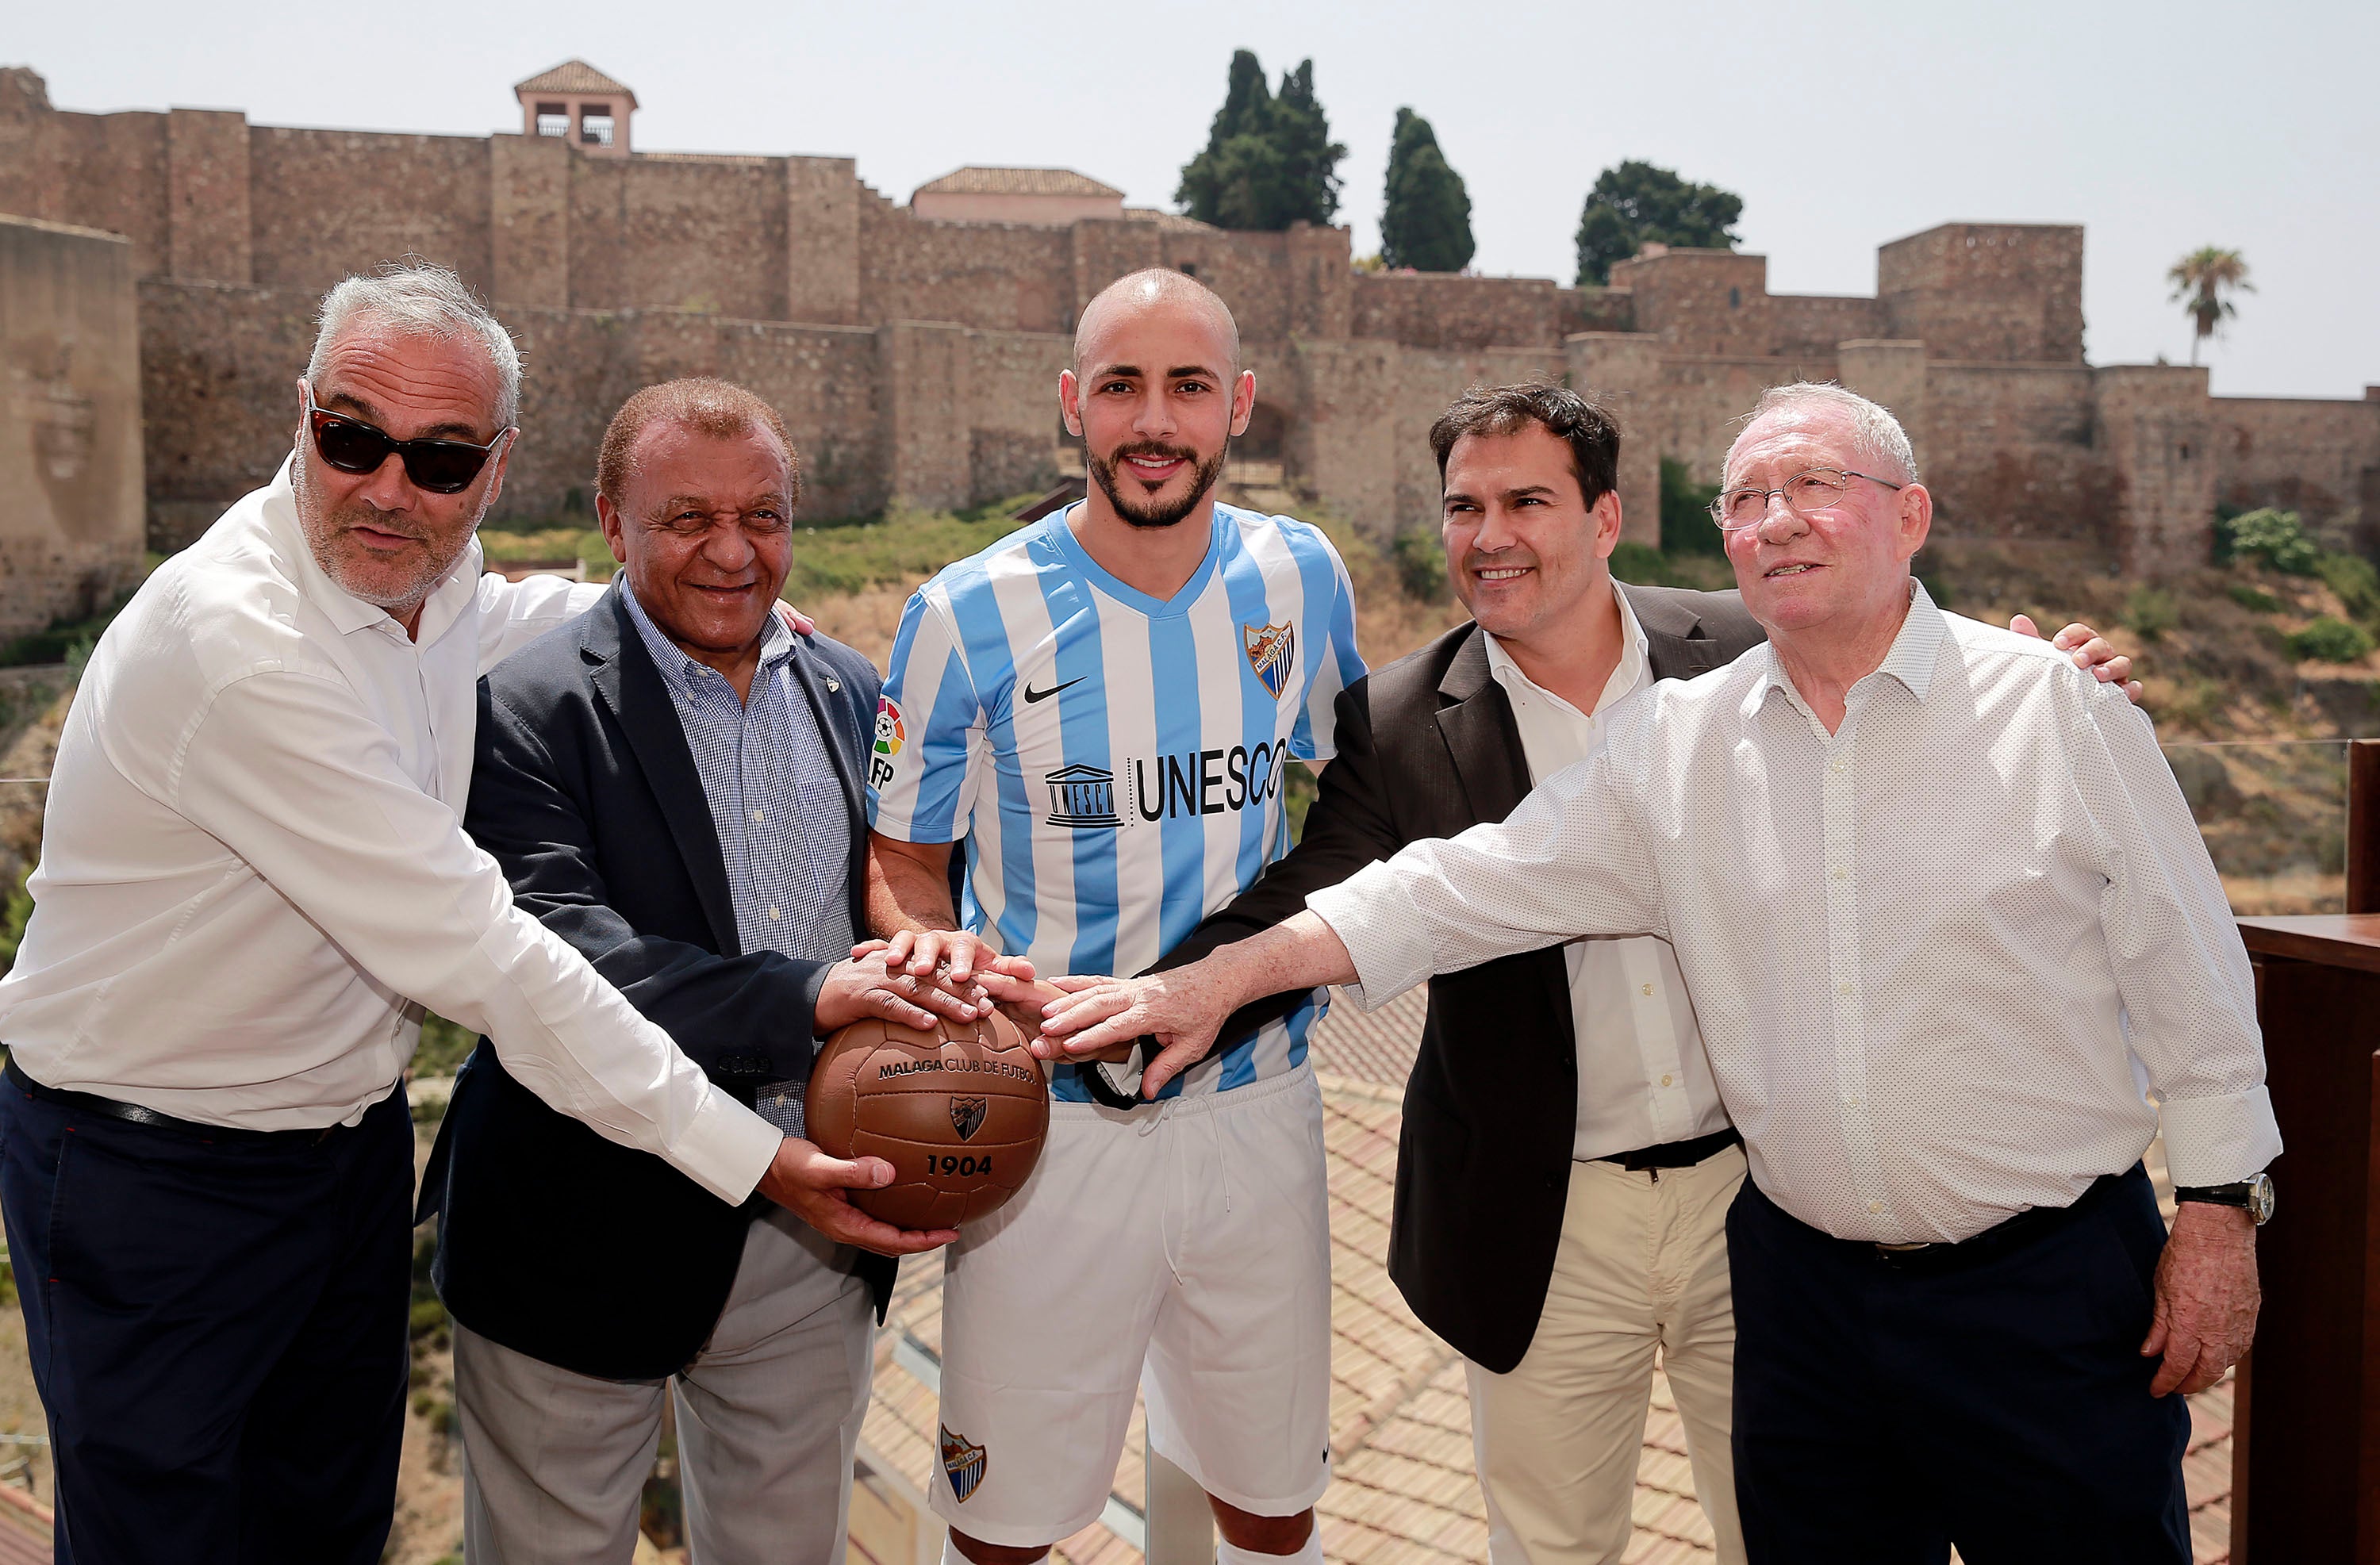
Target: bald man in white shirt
1947 924
253 879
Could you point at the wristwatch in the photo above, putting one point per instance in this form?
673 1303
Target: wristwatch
2252 1195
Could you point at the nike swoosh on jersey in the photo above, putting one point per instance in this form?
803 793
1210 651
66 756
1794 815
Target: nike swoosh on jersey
1032 694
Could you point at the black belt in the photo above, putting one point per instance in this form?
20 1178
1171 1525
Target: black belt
1675 1154
2011 1233
133 1114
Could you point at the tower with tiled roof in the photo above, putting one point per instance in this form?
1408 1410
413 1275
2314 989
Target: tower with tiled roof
580 104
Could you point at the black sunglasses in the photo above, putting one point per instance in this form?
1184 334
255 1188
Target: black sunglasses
441 467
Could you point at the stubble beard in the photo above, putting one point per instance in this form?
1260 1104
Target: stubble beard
1142 513
327 538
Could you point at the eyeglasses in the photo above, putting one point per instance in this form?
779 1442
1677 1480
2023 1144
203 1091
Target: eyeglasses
1812 489
441 467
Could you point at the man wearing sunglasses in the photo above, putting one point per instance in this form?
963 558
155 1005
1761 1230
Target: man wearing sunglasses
253 878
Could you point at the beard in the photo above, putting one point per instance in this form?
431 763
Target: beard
384 584
1141 511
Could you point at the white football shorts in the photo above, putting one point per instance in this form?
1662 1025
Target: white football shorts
1183 1248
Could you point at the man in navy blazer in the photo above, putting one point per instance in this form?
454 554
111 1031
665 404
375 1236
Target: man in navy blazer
672 785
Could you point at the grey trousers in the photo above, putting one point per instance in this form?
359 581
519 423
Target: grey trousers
767 1419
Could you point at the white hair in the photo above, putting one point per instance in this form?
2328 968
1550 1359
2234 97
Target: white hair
419 300
1877 439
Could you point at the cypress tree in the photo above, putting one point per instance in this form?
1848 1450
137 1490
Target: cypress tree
1425 223
1269 161
1310 158
1246 107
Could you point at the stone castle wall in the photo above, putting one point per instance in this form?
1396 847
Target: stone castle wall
915 360
71 511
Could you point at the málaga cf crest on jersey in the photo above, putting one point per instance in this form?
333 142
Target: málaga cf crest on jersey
1272 650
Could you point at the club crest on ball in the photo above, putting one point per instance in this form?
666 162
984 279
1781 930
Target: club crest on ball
963 1462
966 1116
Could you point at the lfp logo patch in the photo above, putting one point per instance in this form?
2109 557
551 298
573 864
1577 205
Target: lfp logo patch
961 1462
891 734
1272 652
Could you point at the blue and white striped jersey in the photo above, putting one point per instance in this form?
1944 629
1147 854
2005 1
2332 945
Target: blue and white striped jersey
1116 758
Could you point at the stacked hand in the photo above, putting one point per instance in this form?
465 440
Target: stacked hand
911 979
1101 1018
953 956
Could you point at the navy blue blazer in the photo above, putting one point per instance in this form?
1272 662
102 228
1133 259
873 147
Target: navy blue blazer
554 1241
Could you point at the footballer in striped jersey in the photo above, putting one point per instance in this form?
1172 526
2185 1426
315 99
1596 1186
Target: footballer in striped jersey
1103 705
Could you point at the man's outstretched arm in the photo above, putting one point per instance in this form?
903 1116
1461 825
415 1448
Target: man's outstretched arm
1568 862
1349 826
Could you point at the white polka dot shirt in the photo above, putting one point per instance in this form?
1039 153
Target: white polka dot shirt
1941 958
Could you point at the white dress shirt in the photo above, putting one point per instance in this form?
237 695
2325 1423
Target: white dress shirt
1939 957
1642 1077
254 874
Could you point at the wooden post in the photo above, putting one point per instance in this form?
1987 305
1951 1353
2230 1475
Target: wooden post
2363 826
2305 1463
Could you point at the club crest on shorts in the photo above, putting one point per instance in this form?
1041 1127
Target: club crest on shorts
966 1116
963 1462
1272 652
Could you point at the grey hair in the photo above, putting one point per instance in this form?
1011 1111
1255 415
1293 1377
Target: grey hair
1877 436
420 299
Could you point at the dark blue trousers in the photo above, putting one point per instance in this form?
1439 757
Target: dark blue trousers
1886 1410
217 1326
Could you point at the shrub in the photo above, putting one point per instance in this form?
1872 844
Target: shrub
2355 581
2255 600
2275 537
1686 525
2151 611
2331 640
1421 564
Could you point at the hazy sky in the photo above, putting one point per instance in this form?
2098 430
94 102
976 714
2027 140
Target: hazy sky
1843 124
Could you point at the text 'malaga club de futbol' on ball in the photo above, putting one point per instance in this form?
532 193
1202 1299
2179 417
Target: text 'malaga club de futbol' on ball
959 1113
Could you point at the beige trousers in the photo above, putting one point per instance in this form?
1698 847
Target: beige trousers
1641 1271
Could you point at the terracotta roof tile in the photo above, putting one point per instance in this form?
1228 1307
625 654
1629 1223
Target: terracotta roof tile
984 181
574 76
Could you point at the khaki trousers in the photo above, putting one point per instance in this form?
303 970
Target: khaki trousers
1640 1272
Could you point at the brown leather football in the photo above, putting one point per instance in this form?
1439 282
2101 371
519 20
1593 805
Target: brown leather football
959 1113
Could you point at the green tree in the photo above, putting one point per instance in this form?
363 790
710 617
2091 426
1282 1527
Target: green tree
1635 203
1426 222
1269 161
2200 280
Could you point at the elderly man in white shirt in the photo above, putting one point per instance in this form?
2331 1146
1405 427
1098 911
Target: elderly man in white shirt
1956 950
253 878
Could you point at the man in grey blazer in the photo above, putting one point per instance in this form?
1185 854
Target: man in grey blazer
671 786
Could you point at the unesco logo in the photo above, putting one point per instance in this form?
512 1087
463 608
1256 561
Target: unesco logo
1082 797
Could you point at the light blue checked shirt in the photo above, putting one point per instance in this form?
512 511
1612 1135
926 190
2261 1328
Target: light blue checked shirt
776 801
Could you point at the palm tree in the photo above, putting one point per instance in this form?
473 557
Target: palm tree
2200 279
